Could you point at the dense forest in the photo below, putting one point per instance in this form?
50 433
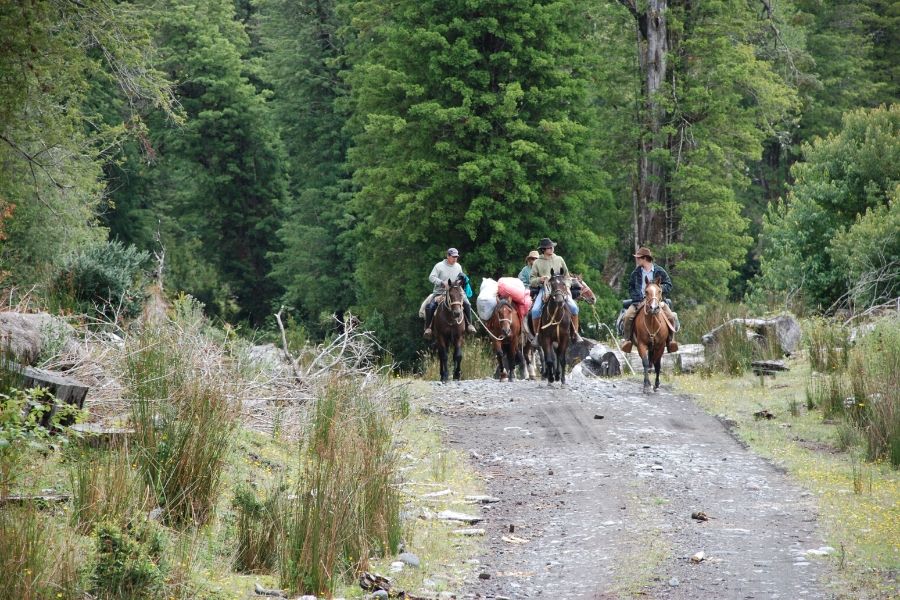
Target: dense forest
323 154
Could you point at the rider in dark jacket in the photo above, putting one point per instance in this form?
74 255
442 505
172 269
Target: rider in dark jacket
646 268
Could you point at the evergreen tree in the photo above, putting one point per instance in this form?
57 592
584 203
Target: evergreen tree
474 132
305 60
217 182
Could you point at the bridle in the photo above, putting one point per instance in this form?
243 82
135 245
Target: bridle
652 299
557 288
450 304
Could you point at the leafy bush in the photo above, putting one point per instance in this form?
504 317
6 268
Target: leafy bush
347 507
21 428
127 562
735 350
38 560
258 530
106 276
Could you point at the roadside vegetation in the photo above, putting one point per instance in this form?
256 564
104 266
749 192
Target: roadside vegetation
229 473
836 429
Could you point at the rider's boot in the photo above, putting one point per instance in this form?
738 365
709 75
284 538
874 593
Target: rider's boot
575 328
671 344
469 327
429 317
626 333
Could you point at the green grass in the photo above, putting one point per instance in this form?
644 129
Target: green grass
478 362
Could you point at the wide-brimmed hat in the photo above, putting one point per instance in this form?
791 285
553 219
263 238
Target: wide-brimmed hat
533 254
452 252
546 243
643 251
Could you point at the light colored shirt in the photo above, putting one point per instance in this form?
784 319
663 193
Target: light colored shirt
543 265
442 272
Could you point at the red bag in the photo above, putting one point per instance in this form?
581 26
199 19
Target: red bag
514 289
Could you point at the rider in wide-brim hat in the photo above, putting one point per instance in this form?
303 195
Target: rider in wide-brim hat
546 243
525 273
645 270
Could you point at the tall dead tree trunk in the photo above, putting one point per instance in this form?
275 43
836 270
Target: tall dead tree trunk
651 203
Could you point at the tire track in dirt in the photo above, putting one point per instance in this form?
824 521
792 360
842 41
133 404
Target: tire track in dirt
605 504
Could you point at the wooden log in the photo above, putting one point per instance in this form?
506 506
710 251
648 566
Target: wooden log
768 367
39 500
98 436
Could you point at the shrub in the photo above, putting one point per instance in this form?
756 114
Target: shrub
257 530
127 562
108 276
22 430
347 507
828 345
38 560
829 393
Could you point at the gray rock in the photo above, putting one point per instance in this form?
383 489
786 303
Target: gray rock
783 330
27 335
379 594
410 559
674 582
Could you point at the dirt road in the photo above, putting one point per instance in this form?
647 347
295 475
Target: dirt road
602 507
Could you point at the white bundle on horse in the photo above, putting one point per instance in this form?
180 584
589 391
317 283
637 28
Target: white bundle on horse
514 289
487 298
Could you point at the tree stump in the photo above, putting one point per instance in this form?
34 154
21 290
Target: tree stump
66 390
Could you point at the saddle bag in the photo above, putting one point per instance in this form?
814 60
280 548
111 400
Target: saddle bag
487 299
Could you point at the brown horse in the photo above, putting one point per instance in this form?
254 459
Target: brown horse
505 329
651 330
587 294
449 325
556 325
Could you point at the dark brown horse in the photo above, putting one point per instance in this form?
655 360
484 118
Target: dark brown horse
556 325
651 330
505 329
449 325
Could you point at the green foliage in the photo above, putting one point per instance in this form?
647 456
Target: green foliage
108 277
216 188
305 60
348 506
27 419
51 145
473 129
127 562
841 178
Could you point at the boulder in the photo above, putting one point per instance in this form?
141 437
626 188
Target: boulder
782 330
578 351
26 335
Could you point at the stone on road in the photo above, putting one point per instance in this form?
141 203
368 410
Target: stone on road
603 508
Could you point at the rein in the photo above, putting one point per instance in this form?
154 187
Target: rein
448 306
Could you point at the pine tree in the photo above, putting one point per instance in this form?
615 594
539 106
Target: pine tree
474 132
305 60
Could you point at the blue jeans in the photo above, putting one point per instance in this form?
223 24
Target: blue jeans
539 304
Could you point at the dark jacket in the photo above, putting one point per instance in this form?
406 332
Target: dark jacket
634 286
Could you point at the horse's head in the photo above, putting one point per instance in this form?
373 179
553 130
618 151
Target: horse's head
652 295
455 296
505 312
586 292
559 287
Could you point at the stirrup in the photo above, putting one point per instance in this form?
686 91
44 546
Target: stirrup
427 333
471 328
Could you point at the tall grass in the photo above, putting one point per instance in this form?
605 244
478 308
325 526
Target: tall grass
258 530
734 350
347 507
875 378
38 559
828 345
183 421
106 487
699 320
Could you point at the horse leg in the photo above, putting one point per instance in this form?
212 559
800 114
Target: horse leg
498 353
645 361
657 365
442 356
457 360
549 364
561 361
